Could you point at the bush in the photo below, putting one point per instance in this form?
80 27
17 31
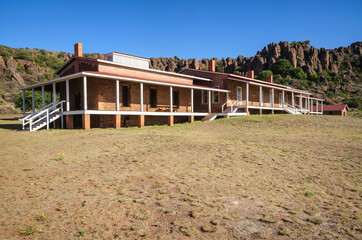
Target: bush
298 73
265 74
219 66
37 100
282 67
314 77
24 54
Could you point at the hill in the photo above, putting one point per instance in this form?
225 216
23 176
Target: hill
332 74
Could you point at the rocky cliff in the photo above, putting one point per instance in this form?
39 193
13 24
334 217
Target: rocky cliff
333 74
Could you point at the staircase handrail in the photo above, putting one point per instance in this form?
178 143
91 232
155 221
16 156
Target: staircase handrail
37 111
29 120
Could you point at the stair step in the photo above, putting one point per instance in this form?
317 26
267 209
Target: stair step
209 117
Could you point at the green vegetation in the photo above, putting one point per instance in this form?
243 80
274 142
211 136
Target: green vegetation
37 100
219 66
265 74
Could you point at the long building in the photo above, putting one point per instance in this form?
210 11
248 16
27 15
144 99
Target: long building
123 91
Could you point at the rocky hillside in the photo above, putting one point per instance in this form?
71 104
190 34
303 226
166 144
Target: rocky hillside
333 74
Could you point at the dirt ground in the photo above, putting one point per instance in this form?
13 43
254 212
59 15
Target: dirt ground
254 177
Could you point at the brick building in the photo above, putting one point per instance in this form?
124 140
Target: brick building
123 91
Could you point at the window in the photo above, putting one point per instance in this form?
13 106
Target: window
175 99
239 97
125 95
204 96
215 97
153 97
280 99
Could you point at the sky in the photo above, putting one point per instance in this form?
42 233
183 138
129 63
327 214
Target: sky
186 29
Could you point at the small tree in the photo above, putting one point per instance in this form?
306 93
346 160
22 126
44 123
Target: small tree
282 67
265 74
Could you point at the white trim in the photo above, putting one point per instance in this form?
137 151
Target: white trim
122 78
171 100
117 95
268 86
85 97
99 112
154 70
141 97
273 97
213 97
192 100
209 98
67 95
261 96
247 94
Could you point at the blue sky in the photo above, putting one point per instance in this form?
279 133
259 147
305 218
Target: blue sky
187 29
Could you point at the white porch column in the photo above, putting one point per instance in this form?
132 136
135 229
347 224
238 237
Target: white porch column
54 93
42 96
209 97
141 96
67 95
32 100
311 105
24 102
171 100
260 96
300 102
306 103
283 99
117 95
272 97
247 94
192 100
85 92
292 99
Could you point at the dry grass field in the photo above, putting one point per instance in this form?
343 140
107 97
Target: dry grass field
255 177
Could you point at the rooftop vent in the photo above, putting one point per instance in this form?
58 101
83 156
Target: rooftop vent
128 60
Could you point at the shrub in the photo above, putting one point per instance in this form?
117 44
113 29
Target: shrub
298 73
24 54
282 67
314 77
265 74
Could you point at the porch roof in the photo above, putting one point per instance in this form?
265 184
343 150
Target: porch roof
120 77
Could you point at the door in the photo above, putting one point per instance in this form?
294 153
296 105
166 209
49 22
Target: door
239 94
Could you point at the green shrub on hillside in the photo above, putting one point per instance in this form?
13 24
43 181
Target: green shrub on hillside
282 67
24 54
265 74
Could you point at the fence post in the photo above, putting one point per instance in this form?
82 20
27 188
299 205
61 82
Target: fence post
47 118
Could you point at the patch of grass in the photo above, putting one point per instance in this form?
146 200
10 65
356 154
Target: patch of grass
30 230
81 234
309 193
39 217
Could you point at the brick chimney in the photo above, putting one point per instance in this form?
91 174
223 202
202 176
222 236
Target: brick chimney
78 50
211 66
251 74
270 79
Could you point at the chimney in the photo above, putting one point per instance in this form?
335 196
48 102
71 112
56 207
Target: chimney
270 79
251 74
78 50
211 66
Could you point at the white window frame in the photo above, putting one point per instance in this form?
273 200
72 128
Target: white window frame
241 94
204 97
213 97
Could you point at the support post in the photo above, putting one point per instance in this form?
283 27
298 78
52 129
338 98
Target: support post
192 100
141 121
273 99
293 100
191 119
117 121
86 121
54 93
171 103
23 102
32 100
117 96
141 99
85 99
170 120
283 99
260 96
67 95
42 96
209 97
247 95
47 119
300 102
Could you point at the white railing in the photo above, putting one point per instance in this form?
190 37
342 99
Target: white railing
43 113
231 106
